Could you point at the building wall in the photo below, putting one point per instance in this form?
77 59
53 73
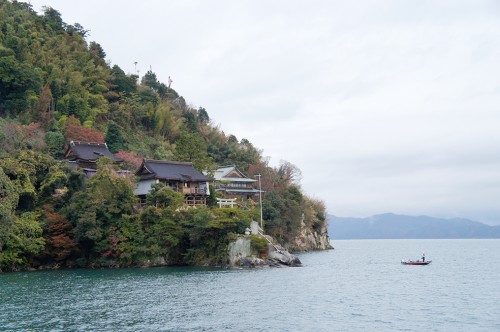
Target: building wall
144 186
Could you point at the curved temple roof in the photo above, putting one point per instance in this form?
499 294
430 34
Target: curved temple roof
170 170
89 151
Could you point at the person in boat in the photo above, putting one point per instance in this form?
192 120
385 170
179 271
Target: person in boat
423 257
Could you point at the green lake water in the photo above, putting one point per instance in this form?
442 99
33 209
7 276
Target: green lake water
359 286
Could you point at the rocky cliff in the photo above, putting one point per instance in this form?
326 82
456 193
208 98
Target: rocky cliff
244 251
310 238
241 254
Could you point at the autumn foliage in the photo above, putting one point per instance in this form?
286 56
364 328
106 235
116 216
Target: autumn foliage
58 235
130 160
76 132
18 136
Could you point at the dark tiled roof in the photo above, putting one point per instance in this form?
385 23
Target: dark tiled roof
90 151
171 170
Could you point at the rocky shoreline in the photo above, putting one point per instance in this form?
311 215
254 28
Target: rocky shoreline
242 255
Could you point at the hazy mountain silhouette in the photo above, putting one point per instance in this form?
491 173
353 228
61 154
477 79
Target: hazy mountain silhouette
392 226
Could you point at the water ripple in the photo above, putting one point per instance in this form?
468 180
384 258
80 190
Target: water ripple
357 287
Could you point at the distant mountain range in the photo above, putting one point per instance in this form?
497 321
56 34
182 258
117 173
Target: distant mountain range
393 226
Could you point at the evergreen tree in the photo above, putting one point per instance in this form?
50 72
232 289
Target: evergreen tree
114 138
19 84
122 83
192 148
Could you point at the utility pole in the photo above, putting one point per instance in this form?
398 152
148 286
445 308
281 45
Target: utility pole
260 201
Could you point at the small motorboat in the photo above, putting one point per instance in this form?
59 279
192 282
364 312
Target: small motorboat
415 262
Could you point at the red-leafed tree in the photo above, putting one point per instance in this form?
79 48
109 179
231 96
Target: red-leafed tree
130 161
75 132
59 235
43 108
34 136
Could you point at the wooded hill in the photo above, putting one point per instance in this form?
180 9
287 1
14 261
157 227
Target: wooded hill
56 86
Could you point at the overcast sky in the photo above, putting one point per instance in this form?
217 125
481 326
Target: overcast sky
385 106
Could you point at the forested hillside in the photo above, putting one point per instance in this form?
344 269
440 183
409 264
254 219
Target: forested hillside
57 86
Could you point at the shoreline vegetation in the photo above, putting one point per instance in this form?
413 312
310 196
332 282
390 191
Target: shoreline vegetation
56 86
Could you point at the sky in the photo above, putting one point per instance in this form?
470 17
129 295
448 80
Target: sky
385 106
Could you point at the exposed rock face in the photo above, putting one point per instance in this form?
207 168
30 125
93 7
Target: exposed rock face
238 250
279 254
255 228
311 239
240 255
251 262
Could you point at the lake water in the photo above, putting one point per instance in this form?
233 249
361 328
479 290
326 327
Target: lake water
359 286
